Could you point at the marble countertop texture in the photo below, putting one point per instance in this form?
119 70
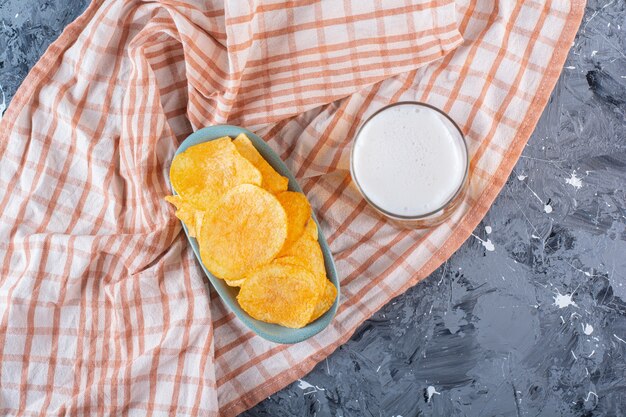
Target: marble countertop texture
528 318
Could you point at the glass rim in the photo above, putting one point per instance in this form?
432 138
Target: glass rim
457 192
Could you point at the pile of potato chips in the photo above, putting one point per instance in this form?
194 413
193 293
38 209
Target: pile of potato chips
252 232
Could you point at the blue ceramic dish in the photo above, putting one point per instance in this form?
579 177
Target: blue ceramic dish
271 332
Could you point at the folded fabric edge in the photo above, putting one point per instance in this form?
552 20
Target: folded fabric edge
463 229
447 42
455 40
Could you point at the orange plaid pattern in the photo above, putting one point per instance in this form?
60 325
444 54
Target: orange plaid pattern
103 309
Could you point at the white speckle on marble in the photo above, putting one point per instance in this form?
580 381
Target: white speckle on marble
591 354
593 53
430 391
587 329
302 384
535 236
488 229
574 355
571 67
590 394
564 300
17 15
522 177
546 206
574 181
619 338
488 244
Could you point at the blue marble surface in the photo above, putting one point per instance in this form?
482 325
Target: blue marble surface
534 327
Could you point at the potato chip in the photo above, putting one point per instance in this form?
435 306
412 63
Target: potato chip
272 180
204 172
298 212
235 282
280 293
246 229
306 252
326 300
309 251
187 213
311 229
293 260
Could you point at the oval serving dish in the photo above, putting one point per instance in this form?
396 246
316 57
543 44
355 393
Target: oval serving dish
271 332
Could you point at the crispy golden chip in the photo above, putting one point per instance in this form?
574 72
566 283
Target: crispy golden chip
272 180
235 282
326 300
308 253
204 172
298 212
187 213
311 229
294 260
246 229
280 293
